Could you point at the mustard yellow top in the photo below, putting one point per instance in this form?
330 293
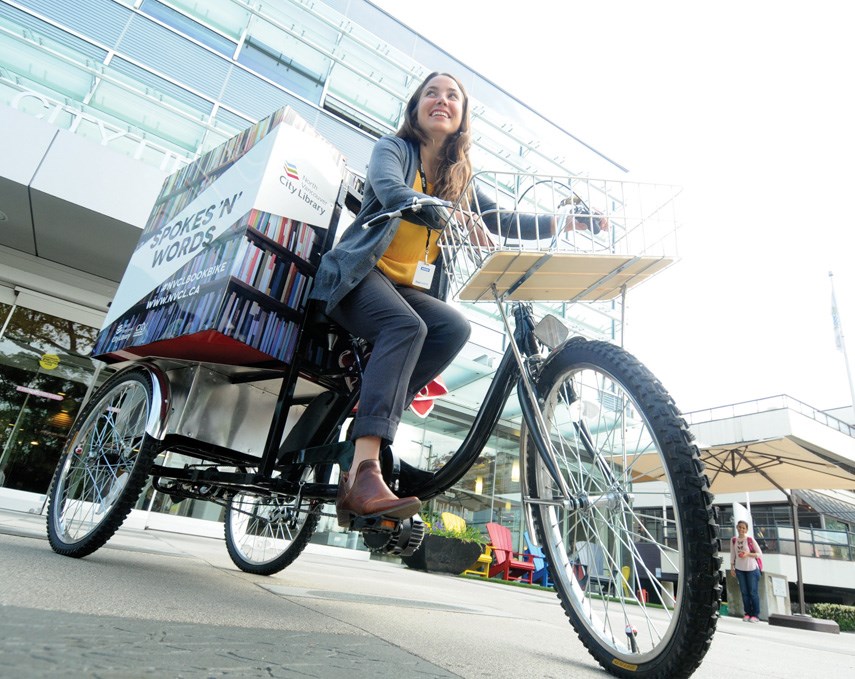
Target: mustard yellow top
407 248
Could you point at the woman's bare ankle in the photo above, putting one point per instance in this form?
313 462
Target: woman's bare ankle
365 448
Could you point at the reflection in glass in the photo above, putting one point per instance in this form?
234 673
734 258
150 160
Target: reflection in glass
44 376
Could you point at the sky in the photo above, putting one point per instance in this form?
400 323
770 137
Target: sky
746 105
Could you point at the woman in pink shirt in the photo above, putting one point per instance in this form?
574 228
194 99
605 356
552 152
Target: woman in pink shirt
744 555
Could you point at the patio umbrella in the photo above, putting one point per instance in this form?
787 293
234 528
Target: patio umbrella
785 464
778 463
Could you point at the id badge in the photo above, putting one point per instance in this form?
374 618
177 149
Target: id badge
424 275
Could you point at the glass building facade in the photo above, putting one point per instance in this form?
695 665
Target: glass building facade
164 81
159 82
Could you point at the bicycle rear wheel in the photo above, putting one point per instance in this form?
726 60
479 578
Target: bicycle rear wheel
628 529
265 532
105 462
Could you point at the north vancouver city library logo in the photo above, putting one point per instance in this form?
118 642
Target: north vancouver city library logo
291 171
303 188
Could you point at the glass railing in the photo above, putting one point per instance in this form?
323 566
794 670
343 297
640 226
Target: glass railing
817 543
765 405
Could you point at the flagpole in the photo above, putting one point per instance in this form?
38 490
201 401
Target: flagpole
841 343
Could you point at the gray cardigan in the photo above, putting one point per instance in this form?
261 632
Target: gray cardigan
391 174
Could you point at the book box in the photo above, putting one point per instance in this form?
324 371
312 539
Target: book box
223 267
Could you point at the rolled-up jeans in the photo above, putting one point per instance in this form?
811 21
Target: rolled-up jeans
414 337
749 587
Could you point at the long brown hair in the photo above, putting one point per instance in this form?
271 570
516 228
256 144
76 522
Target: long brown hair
455 168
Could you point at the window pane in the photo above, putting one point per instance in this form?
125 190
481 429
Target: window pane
77 15
281 69
189 27
173 56
148 114
230 123
32 64
362 96
308 26
224 16
398 65
372 61
47 34
288 50
252 96
158 85
226 125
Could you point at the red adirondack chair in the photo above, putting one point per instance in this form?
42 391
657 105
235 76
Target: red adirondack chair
505 564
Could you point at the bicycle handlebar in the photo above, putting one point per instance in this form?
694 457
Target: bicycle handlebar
415 206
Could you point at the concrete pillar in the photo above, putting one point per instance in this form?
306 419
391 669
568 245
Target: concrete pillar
774 595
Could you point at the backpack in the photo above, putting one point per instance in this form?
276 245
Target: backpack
753 547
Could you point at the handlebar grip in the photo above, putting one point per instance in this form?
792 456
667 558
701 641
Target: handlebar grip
377 220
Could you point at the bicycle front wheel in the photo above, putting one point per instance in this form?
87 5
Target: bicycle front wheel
623 512
266 532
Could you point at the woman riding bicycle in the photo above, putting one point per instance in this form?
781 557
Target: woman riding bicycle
386 285
602 446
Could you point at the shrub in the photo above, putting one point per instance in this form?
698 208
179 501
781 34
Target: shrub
433 526
844 616
469 534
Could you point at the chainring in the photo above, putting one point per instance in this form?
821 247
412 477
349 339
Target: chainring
402 540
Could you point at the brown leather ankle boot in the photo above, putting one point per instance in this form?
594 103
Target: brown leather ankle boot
369 496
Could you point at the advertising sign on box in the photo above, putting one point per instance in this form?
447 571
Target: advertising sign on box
222 268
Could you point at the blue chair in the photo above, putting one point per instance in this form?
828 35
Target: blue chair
541 565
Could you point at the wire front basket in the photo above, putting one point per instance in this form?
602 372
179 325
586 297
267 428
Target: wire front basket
527 237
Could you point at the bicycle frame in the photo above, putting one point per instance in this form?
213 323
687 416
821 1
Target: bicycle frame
313 441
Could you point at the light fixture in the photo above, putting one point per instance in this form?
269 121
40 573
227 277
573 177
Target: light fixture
479 485
61 420
515 471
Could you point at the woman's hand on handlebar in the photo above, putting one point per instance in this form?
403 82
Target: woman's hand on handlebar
580 217
575 222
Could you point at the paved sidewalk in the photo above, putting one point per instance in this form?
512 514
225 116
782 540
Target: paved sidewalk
152 603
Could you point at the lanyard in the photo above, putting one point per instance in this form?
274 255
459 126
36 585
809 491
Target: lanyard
424 190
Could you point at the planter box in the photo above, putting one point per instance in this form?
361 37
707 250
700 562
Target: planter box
439 554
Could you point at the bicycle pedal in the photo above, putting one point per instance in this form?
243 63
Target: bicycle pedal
384 524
